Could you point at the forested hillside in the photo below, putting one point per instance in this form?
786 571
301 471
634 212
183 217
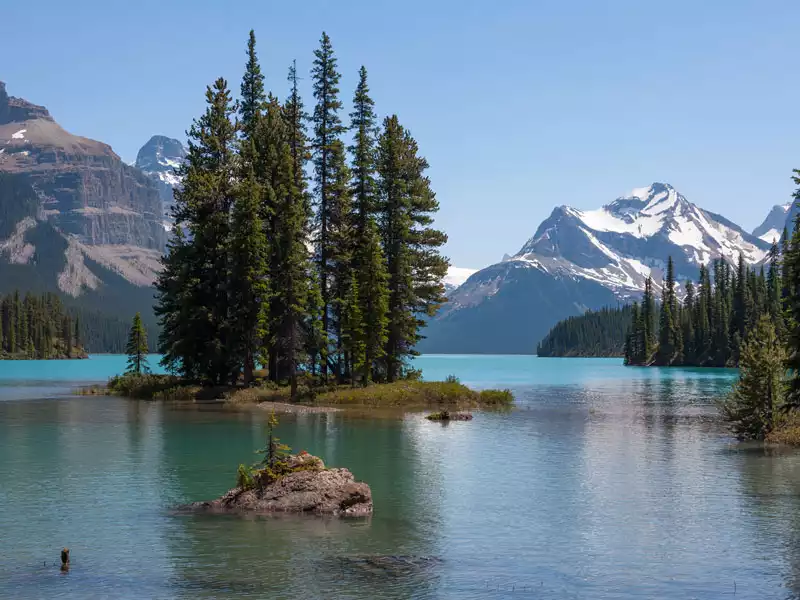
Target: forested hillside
596 333
42 327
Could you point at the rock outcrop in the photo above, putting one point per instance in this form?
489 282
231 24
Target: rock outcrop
85 189
312 489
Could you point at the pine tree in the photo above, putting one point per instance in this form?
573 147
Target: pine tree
248 285
303 317
340 253
292 265
328 130
251 105
194 308
648 321
774 291
137 347
791 270
687 324
670 343
414 265
368 260
752 406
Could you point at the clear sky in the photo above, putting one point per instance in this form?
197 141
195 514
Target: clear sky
518 105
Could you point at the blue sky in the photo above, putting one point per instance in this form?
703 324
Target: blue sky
518 105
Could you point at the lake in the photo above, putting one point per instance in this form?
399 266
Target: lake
606 483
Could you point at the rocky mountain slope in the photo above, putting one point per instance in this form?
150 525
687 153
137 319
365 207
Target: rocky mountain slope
75 218
581 259
772 227
158 159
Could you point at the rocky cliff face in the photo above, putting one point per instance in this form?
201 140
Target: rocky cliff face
85 189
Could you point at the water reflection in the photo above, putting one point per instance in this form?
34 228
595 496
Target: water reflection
600 488
297 556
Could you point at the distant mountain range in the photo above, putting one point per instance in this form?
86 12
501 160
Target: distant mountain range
579 260
75 218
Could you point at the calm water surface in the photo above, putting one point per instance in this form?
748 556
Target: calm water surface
605 483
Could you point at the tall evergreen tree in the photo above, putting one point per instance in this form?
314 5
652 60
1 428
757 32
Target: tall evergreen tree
340 255
248 285
328 130
195 314
648 321
414 264
253 100
368 260
137 347
752 406
688 327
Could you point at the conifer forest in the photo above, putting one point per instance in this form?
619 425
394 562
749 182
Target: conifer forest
304 241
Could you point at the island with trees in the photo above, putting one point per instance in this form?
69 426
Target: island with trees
303 262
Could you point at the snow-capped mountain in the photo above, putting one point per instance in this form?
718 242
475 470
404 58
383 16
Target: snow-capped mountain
772 227
580 259
158 159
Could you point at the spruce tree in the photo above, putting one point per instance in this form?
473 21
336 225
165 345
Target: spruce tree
648 321
248 285
340 253
687 324
292 261
137 347
752 406
791 266
251 105
415 267
773 292
193 297
328 130
368 259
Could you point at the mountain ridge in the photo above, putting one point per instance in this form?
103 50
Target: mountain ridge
584 259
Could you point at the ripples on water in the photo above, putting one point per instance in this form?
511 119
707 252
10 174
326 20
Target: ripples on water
605 483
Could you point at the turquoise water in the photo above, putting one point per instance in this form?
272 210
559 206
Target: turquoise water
605 483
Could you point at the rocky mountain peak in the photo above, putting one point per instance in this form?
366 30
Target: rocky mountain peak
160 154
158 159
772 227
18 110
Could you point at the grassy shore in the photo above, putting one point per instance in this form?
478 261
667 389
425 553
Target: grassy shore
439 395
787 431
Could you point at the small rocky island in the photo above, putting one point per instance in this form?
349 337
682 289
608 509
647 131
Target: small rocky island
291 483
307 487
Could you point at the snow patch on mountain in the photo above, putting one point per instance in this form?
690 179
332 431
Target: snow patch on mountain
624 242
772 227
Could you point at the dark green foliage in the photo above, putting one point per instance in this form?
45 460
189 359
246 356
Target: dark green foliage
368 259
137 347
595 333
414 265
249 290
38 327
753 405
708 327
193 288
239 286
328 162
